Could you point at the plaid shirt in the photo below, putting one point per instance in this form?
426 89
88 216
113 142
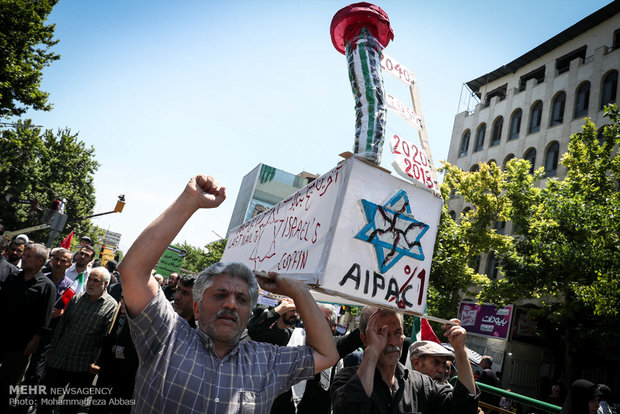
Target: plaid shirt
180 373
77 338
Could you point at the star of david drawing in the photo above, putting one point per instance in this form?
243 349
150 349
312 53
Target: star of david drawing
392 230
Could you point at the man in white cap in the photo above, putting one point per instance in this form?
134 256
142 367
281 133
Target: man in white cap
432 359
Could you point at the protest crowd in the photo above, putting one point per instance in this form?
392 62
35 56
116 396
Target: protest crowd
80 337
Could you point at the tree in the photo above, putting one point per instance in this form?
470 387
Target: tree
197 259
566 253
38 167
460 242
563 252
25 41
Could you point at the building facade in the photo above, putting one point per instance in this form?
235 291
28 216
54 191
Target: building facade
262 188
529 108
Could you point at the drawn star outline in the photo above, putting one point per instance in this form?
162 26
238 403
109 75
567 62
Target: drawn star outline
392 230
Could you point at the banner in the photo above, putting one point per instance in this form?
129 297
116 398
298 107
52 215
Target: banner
170 261
400 72
357 233
411 162
407 114
485 319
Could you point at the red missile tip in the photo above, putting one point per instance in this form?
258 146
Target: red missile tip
349 21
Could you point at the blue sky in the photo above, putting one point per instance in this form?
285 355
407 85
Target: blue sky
165 90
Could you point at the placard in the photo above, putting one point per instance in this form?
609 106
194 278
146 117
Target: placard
411 162
400 72
356 232
170 261
486 319
406 113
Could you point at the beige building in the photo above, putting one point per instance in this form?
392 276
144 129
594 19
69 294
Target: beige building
529 108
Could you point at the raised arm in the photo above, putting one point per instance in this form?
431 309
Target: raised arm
456 336
376 340
139 288
318 334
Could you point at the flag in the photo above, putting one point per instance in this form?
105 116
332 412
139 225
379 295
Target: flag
61 302
421 330
415 329
66 243
427 332
78 286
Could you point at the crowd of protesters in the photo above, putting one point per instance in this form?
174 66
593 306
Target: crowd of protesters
115 338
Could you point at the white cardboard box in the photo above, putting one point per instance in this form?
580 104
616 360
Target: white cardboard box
356 233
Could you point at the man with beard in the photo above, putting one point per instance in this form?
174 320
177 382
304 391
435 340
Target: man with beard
6 268
77 338
383 385
273 325
172 285
15 251
82 265
207 370
432 359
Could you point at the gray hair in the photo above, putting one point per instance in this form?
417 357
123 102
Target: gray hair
62 250
205 279
104 274
40 251
332 309
368 311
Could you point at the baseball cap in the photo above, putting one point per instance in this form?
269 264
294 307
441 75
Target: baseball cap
420 348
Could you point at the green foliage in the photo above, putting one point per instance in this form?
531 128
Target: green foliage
197 259
458 244
42 166
25 41
568 253
564 248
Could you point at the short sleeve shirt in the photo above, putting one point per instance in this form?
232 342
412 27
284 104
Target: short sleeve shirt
179 371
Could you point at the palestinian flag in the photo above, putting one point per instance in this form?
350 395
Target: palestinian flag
78 286
66 243
422 331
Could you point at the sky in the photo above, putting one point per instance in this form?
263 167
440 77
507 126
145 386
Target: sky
165 90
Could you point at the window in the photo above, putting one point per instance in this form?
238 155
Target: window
482 129
496 135
452 215
464 144
535 116
538 74
600 135
557 109
500 227
616 41
491 266
475 263
508 158
515 124
563 64
500 92
610 85
582 99
474 168
551 159
530 155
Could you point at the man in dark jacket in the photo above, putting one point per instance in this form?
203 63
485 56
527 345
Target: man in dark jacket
382 385
26 300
